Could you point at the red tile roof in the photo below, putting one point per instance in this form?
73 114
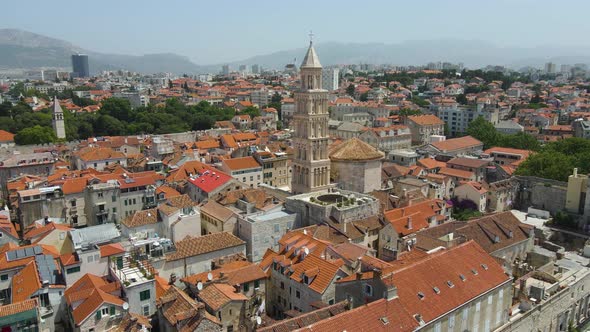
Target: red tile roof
193 246
458 173
6 136
94 154
455 144
417 215
16 308
217 295
25 283
380 315
426 120
210 181
111 249
89 290
443 266
236 164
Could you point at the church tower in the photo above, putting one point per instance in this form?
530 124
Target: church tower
59 126
311 165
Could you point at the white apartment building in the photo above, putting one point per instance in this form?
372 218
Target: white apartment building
330 79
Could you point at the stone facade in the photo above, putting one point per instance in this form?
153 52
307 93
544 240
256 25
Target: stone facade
362 176
311 166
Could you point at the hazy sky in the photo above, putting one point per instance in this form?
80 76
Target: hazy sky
216 31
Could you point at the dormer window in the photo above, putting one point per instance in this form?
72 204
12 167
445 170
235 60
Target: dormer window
450 284
368 290
306 280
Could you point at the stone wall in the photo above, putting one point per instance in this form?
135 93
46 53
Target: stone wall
568 304
544 194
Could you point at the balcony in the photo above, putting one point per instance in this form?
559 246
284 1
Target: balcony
132 272
46 311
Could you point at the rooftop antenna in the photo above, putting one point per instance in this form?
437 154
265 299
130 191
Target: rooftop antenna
310 37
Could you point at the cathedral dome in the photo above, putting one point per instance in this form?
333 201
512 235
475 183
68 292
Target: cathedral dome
355 150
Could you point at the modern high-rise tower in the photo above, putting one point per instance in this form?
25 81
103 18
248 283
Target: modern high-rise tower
311 165
58 120
80 66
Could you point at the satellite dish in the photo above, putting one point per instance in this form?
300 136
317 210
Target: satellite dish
209 276
200 286
306 250
258 320
125 306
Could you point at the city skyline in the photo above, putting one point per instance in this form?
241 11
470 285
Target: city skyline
236 34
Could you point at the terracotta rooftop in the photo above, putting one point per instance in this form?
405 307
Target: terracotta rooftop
458 173
217 295
306 319
111 249
86 295
234 273
430 163
355 150
25 283
6 136
380 315
410 219
217 211
468 162
318 271
194 246
426 120
141 218
440 268
17 308
455 144
95 154
236 164
183 308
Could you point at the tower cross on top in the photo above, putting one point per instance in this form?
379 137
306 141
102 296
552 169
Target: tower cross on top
311 36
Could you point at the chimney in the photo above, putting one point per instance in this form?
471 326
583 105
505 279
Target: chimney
576 172
377 273
403 212
359 275
409 223
172 279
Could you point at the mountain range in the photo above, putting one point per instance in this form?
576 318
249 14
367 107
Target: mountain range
23 49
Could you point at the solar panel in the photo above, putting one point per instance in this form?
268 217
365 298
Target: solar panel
23 253
47 268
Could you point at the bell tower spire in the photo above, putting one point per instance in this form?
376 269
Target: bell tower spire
311 166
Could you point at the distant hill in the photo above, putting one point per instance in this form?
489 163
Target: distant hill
22 49
472 53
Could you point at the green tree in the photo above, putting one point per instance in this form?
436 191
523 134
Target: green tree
364 96
408 112
252 111
521 140
107 125
420 101
35 135
117 108
350 90
461 99
484 131
549 165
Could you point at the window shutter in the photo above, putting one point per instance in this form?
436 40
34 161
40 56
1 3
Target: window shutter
98 315
112 310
